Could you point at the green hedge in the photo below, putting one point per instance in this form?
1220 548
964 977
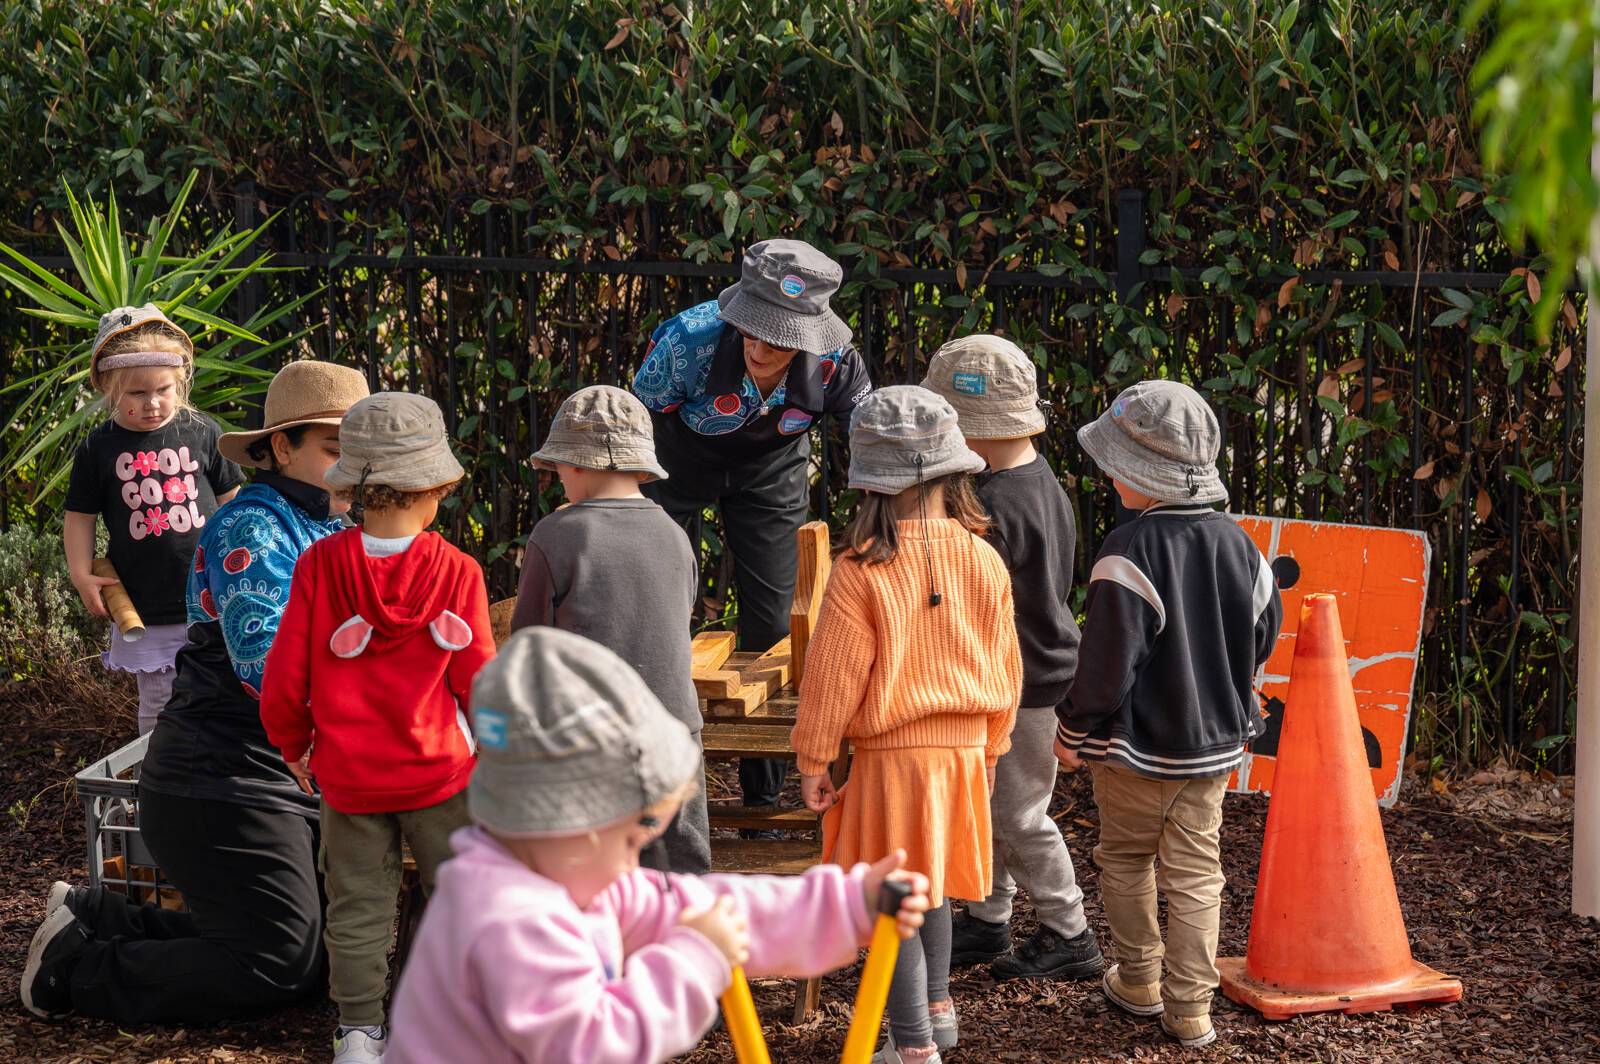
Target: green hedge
1272 141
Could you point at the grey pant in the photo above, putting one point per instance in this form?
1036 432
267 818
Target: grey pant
155 688
361 865
1027 844
921 975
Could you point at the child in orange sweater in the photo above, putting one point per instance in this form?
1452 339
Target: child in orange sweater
915 661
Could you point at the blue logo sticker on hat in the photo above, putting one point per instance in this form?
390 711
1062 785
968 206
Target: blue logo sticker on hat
970 383
794 421
1118 407
491 728
792 286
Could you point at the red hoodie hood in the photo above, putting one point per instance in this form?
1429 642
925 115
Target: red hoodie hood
397 595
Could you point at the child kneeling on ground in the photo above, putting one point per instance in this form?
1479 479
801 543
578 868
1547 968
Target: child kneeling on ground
371 671
545 941
993 386
1182 612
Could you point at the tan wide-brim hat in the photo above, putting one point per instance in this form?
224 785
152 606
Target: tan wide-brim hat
302 393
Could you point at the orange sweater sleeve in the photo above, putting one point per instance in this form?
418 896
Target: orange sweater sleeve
1009 653
838 667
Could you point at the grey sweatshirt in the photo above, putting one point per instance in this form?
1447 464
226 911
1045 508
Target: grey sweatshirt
620 572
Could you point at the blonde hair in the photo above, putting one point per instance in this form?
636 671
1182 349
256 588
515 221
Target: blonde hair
153 336
872 536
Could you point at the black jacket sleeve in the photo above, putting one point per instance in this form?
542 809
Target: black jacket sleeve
850 383
1119 631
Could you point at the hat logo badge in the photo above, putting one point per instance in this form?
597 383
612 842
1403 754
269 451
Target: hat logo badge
792 286
491 728
1118 407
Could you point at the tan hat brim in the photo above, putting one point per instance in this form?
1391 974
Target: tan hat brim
235 446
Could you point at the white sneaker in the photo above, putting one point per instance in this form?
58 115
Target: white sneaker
359 1045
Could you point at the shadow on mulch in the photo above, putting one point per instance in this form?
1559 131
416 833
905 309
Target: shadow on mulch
1484 901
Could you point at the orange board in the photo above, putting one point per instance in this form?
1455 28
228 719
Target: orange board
1380 578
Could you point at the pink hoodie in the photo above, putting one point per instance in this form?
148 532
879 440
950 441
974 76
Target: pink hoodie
507 968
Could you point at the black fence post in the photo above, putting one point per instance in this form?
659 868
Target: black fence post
247 297
1130 240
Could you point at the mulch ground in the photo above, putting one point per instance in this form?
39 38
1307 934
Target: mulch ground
1483 869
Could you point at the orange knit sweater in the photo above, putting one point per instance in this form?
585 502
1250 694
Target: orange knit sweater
886 670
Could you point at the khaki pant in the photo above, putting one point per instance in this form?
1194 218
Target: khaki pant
1178 821
361 863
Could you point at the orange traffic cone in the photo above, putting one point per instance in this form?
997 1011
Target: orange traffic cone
1326 932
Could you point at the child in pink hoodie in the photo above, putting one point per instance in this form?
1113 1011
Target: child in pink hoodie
544 940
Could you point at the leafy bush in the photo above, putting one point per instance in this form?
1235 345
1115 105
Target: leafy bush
42 619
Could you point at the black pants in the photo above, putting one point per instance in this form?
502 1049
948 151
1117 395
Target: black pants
252 940
763 505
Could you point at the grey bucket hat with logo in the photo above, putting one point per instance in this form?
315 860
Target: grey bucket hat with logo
992 384
397 440
1159 438
602 428
115 322
904 433
569 739
782 297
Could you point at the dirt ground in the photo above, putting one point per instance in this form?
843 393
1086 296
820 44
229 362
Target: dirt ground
1483 868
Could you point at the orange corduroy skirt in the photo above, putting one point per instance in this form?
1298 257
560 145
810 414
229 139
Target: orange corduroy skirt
932 802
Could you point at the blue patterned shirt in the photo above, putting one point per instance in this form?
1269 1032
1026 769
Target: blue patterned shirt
694 379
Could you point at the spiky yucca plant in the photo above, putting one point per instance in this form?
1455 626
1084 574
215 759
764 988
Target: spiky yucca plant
54 406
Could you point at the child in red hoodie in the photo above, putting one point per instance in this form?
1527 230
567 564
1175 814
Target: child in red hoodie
366 690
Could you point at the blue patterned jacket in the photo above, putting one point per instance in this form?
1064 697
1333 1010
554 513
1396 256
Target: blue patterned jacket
709 412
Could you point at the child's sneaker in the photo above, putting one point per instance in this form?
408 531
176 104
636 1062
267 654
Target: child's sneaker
975 941
1046 955
1140 1000
890 1054
1191 1032
56 947
358 1045
946 1028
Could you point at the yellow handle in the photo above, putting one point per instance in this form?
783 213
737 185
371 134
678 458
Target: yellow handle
744 1027
873 992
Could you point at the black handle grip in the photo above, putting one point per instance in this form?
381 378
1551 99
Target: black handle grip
891 895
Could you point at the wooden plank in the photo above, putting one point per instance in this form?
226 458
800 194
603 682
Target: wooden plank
500 619
720 684
762 678
807 998
811 577
711 650
724 741
733 815
777 857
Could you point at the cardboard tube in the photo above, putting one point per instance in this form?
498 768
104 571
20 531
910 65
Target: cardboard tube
118 604
744 1026
873 991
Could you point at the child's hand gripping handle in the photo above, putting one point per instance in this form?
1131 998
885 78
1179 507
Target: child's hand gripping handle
118 604
876 974
744 1026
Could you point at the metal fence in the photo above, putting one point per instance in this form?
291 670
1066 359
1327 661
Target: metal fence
456 302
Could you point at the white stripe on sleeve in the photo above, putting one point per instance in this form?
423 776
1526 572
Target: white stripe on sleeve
1261 597
1121 570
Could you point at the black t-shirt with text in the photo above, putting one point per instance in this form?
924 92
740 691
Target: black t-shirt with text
155 491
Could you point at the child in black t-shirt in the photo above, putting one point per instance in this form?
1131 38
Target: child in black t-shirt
154 473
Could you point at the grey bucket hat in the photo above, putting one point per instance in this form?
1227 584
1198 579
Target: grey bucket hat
992 384
782 297
569 739
397 440
115 322
1160 438
602 428
904 432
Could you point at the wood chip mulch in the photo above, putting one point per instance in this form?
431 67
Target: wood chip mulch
1484 872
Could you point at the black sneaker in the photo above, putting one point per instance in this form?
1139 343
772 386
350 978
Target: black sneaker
1046 955
74 898
975 941
56 947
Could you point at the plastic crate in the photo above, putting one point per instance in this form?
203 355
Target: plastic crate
109 791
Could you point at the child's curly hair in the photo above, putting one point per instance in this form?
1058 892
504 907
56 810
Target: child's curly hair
155 335
377 498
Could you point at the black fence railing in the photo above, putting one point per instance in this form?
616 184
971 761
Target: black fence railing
459 303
